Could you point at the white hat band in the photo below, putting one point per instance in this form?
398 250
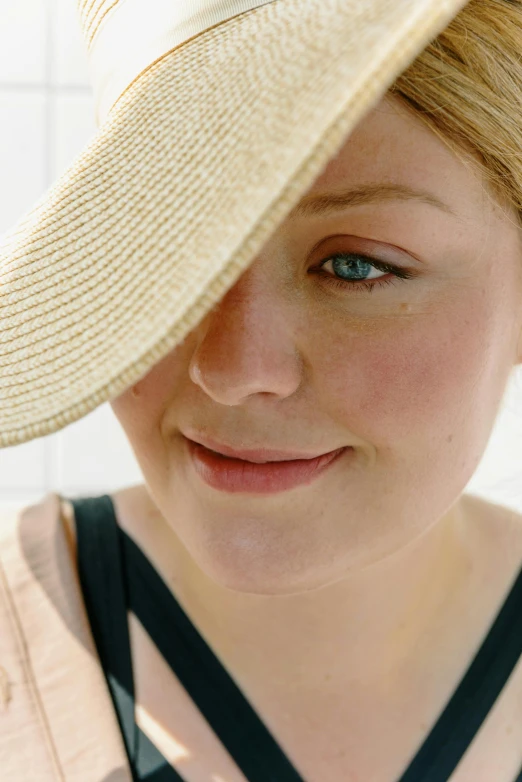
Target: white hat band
128 40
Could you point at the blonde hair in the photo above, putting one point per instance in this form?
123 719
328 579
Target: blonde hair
467 87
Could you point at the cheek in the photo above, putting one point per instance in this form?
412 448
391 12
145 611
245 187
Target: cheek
427 377
140 409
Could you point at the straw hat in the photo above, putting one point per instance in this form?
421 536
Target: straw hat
214 118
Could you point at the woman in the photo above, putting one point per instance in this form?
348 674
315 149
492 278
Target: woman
310 593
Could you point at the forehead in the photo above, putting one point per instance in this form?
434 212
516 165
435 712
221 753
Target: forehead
393 146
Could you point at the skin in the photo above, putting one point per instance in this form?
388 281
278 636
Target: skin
350 578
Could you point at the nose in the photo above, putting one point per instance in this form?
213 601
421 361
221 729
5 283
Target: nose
246 345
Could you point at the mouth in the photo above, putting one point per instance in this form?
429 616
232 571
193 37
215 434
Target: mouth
257 455
233 475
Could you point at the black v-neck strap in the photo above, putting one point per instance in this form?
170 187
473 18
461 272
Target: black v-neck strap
101 569
101 578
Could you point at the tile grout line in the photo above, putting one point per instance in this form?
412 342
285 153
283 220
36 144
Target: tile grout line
47 88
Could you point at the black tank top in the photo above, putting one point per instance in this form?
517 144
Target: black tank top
116 577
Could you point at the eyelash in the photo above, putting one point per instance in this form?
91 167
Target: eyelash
362 286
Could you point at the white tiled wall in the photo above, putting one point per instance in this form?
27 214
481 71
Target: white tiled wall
46 117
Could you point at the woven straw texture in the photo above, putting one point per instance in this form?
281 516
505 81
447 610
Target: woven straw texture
197 164
92 14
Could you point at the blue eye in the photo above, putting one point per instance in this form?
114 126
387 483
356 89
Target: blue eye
354 267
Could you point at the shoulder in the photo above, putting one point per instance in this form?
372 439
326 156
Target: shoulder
131 504
494 532
26 530
487 511
48 657
491 518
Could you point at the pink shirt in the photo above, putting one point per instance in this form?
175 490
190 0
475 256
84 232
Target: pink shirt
54 701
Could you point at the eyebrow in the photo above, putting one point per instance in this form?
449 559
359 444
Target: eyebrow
323 204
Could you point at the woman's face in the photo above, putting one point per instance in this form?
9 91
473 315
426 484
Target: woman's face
409 372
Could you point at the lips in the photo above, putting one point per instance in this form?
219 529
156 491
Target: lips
228 474
256 456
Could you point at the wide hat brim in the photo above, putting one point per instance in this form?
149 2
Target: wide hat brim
199 161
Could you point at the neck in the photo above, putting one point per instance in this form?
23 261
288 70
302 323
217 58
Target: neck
367 627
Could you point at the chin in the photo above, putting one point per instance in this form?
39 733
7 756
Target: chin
262 573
